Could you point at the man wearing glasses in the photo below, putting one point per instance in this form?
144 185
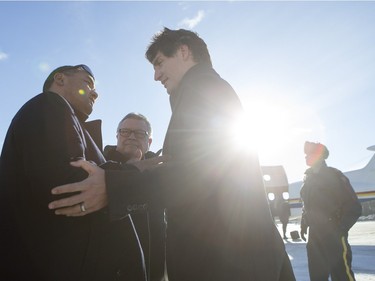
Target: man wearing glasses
46 134
134 138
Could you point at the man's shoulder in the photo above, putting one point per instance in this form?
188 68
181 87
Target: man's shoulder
333 170
203 82
35 100
44 108
108 150
34 105
110 153
336 173
202 74
341 179
43 99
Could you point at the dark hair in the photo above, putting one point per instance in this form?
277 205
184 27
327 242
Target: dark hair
138 116
65 69
168 41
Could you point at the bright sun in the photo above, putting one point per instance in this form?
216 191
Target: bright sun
276 130
265 128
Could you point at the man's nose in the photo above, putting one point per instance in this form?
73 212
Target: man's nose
94 94
157 75
132 135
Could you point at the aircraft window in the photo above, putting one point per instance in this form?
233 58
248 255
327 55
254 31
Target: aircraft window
267 177
271 196
286 195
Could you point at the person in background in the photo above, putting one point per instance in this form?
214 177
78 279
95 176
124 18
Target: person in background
330 209
48 132
283 212
134 138
219 224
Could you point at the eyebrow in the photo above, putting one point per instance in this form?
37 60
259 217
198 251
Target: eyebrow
156 59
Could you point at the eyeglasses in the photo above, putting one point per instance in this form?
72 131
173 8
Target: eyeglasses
69 67
139 134
85 68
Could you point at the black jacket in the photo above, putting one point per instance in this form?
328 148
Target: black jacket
219 225
328 198
149 225
44 136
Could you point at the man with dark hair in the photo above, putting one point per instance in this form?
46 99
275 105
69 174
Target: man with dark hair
330 209
46 134
219 223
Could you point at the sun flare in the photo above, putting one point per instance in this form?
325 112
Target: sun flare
264 127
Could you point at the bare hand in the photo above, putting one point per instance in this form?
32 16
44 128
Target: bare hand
149 164
92 196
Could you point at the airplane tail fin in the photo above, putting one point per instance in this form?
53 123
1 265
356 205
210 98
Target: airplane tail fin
371 163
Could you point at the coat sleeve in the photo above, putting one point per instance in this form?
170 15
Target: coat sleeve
351 208
127 191
47 136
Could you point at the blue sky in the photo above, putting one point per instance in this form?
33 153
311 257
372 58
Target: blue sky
303 70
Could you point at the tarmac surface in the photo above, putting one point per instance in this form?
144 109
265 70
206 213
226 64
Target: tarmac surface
362 241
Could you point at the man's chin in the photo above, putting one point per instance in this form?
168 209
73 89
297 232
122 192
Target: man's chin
132 151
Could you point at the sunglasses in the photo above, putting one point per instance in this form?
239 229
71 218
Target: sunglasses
62 69
85 68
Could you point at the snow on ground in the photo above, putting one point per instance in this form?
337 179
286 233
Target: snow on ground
361 239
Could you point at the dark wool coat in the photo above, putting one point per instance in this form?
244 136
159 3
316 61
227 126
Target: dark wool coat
44 136
219 227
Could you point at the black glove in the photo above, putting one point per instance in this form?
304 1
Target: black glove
303 230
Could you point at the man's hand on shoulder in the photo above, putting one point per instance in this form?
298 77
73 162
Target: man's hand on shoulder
92 194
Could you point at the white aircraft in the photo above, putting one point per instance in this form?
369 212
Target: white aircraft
276 185
362 180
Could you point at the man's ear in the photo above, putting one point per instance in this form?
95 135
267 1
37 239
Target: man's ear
59 79
149 142
185 52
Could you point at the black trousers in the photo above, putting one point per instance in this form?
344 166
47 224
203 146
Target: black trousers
329 254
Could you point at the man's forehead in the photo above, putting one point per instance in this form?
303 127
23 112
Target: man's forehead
134 121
